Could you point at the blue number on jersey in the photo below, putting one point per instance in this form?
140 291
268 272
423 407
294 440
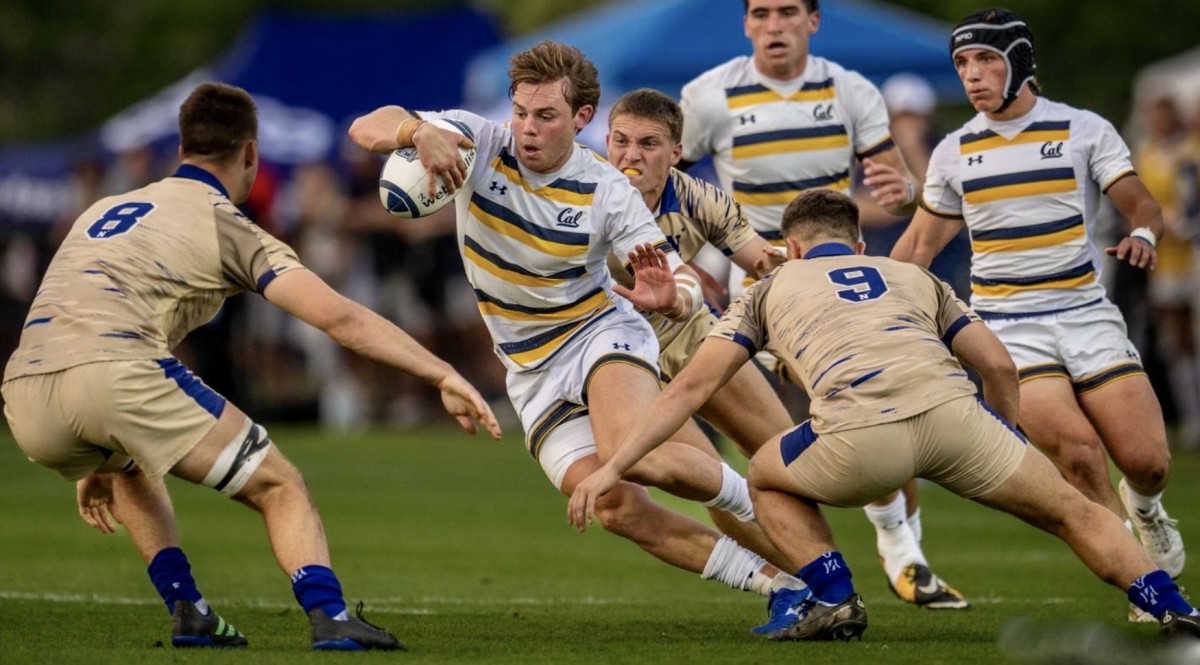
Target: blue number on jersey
119 219
867 282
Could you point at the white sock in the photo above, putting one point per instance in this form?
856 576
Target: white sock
737 567
914 523
734 497
895 540
1145 505
202 605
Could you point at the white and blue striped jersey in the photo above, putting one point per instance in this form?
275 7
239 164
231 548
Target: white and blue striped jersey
1028 190
771 139
535 245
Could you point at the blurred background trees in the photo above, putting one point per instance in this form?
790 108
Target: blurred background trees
65 66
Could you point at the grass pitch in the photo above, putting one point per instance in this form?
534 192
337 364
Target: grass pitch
460 546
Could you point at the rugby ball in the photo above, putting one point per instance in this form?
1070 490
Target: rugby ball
404 182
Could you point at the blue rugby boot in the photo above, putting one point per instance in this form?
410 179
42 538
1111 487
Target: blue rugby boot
784 608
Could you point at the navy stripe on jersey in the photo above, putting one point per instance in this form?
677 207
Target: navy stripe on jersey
1007 316
553 235
758 87
785 134
954 329
883 146
543 338
1044 126
513 307
1029 231
492 258
574 186
1078 271
1019 178
808 183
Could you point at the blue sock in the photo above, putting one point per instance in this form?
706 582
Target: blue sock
1157 593
829 578
317 586
172 576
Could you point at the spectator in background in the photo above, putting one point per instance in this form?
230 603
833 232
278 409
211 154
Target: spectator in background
1158 159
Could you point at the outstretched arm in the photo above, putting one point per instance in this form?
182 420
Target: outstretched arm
307 297
714 363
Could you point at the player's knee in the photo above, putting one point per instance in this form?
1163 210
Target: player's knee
1081 458
1147 470
238 470
620 511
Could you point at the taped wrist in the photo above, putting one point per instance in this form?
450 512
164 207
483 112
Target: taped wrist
406 130
689 298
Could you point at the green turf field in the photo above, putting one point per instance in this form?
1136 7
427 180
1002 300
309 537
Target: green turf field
461 547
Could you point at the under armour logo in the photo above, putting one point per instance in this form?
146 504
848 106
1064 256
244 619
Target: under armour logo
831 566
972 161
746 119
618 346
498 188
1050 150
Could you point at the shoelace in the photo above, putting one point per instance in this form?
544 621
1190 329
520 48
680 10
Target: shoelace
358 612
1162 531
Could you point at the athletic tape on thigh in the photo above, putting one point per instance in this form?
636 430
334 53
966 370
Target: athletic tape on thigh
239 460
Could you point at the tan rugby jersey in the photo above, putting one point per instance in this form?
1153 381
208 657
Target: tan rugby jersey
869 337
139 271
692 213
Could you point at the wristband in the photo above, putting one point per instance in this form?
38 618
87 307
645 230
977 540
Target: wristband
1144 233
912 192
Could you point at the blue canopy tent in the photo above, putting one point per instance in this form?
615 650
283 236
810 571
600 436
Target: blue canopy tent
309 74
664 43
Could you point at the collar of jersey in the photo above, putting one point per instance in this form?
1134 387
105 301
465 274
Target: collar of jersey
192 172
829 249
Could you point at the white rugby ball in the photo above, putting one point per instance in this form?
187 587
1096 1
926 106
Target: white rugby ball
404 184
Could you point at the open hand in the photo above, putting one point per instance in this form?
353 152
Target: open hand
94 494
1138 252
654 284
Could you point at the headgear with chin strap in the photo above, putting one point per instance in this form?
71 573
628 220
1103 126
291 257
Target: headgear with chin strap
1003 32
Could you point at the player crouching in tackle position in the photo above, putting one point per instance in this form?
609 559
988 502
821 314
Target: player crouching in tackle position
872 340
538 219
94 393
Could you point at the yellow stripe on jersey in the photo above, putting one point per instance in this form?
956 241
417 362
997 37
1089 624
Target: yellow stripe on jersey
546 348
510 276
782 197
1024 137
587 304
514 232
1042 131
1032 242
1019 190
761 95
997 288
559 191
791 145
